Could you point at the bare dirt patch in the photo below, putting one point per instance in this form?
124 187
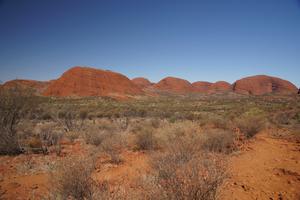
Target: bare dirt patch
268 169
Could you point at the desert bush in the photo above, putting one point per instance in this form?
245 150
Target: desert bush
95 136
68 120
173 118
35 145
123 123
72 135
218 140
145 139
184 147
155 123
112 145
286 118
181 137
49 135
250 125
186 169
107 125
72 179
215 121
14 105
83 114
46 116
196 178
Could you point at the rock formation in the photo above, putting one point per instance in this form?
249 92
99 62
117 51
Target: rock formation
220 86
201 86
141 82
262 84
86 81
37 87
174 85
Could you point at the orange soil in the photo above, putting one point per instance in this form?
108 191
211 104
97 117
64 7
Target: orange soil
268 169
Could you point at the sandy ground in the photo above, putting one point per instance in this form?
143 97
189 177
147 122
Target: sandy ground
267 168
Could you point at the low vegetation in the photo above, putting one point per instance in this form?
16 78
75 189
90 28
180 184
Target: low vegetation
72 179
186 140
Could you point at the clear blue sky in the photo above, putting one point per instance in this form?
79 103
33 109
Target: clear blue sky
197 40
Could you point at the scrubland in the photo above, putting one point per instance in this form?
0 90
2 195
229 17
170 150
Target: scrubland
167 147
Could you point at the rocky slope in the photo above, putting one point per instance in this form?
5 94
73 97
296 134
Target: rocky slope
201 86
220 86
207 87
141 82
261 84
174 85
85 81
33 86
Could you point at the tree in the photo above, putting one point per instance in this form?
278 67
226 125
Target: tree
14 104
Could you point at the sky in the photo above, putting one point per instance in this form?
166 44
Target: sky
206 40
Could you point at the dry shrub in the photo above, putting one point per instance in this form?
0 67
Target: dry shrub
36 146
250 125
94 136
35 143
145 139
184 170
180 136
49 134
216 122
219 141
290 117
112 145
44 137
107 125
14 105
197 177
70 120
72 179
121 123
72 135
46 116
155 123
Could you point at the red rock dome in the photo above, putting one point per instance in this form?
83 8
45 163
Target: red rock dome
36 86
201 86
86 81
174 85
141 82
261 84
